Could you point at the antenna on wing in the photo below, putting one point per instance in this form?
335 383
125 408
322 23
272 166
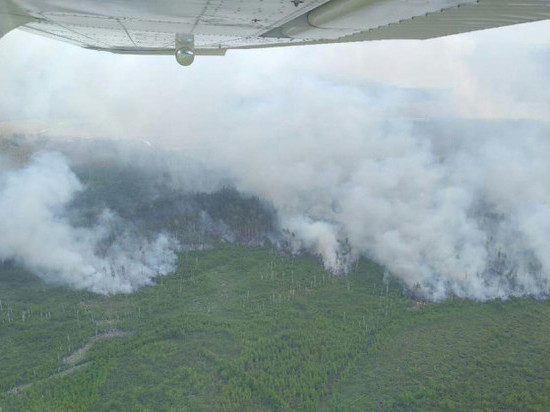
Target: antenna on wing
185 49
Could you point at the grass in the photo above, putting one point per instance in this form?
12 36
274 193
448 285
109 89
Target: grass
240 328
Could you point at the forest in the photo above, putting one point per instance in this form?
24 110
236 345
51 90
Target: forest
246 322
254 328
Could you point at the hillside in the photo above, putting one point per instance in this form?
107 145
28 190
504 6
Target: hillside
240 328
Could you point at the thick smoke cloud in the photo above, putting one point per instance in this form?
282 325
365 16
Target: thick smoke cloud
468 217
463 215
474 223
376 154
37 234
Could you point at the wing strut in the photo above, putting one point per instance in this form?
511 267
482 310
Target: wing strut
11 17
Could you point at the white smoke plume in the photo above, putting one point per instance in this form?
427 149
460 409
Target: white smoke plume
318 237
37 234
463 211
471 221
468 217
330 137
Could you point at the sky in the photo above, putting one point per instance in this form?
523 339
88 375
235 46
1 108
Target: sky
493 74
428 156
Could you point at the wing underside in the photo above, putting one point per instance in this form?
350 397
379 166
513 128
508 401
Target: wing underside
149 27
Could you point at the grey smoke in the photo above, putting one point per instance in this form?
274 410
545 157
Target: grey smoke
464 216
455 213
449 207
37 234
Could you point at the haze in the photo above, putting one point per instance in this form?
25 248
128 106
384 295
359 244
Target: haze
428 157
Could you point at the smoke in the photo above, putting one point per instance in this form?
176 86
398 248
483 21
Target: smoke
379 153
445 211
465 216
450 208
37 233
319 237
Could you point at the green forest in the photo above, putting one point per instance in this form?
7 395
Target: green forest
256 329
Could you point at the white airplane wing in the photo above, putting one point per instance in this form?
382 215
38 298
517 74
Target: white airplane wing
210 27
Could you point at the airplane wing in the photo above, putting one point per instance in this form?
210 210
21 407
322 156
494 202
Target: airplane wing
210 27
